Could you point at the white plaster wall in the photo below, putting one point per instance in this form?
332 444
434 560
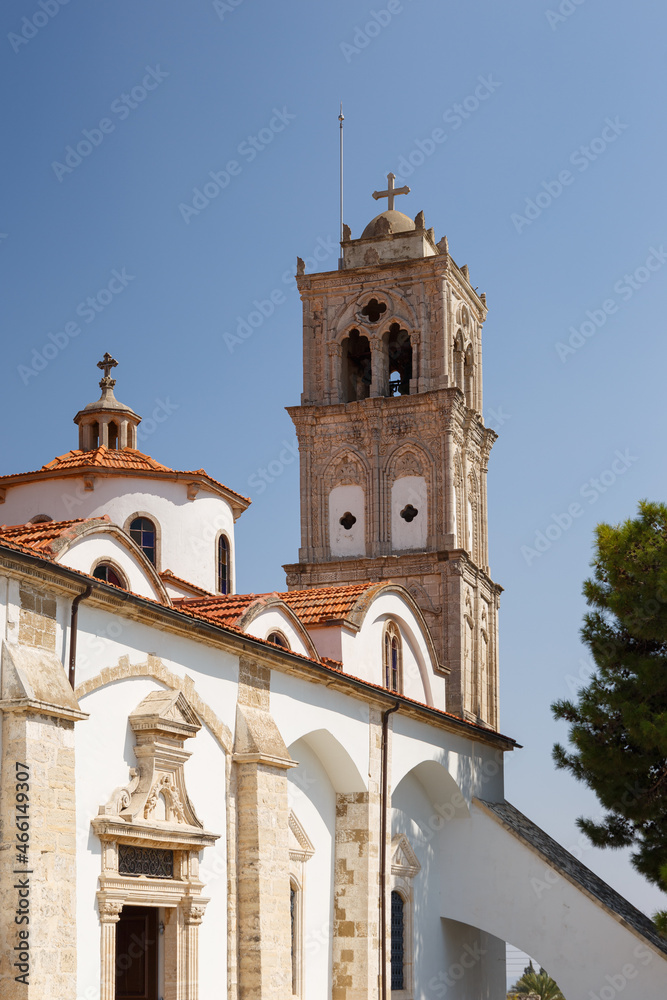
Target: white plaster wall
313 800
470 769
104 754
341 541
328 641
189 528
363 652
104 638
503 886
274 619
413 534
86 552
301 709
450 959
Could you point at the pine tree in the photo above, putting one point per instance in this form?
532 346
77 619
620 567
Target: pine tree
618 726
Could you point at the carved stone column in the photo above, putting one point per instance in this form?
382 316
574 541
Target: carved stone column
110 910
192 918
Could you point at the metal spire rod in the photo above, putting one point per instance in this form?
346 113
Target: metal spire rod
341 119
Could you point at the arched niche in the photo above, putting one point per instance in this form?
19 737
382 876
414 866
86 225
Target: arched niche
356 374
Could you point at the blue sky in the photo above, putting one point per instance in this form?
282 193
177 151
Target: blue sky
550 187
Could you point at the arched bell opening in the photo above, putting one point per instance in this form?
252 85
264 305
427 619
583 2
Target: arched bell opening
399 360
356 367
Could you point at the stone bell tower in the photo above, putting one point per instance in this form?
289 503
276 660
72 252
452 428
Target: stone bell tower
394 451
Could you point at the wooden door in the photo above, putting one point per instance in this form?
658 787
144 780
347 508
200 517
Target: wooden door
137 953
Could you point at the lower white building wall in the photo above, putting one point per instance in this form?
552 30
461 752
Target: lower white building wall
313 801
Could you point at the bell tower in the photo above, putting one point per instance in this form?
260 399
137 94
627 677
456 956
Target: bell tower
393 447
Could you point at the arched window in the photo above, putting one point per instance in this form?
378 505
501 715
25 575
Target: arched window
112 435
469 376
279 639
392 658
294 902
142 531
107 573
223 565
94 436
399 354
40 519
458 360
356 372
397 941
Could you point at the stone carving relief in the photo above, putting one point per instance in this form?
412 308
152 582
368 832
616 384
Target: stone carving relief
408 464
161 722
346 471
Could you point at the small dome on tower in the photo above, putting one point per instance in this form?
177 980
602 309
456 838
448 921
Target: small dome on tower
107 421
388 222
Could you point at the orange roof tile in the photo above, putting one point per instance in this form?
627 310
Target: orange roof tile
107 458
122 460
40 537
312 607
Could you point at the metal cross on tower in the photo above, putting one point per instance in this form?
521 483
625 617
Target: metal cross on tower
106 364
391 191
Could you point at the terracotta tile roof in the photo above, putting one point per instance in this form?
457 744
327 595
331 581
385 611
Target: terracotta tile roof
123 460
223 609
106 458
183 607
168 577
326 604
312 607
41 536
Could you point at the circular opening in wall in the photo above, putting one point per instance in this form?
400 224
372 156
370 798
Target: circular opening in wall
347 520
409 513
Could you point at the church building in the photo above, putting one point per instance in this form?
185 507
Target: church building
207 795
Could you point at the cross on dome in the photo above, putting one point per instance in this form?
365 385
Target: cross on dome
106 364
391 192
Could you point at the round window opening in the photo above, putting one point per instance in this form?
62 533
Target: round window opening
347 520
409 513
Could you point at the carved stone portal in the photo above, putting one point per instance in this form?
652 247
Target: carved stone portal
153 812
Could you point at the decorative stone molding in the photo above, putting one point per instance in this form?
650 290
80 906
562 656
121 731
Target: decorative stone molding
407 464
404 861
301 848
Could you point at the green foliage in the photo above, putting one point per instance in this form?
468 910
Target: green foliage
618 726
536 984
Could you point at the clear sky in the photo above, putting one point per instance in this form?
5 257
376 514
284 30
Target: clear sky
549 184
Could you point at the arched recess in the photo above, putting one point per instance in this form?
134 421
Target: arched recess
356 366
458 359
469 376
411 460
341 769
155 668
347 468
443 792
